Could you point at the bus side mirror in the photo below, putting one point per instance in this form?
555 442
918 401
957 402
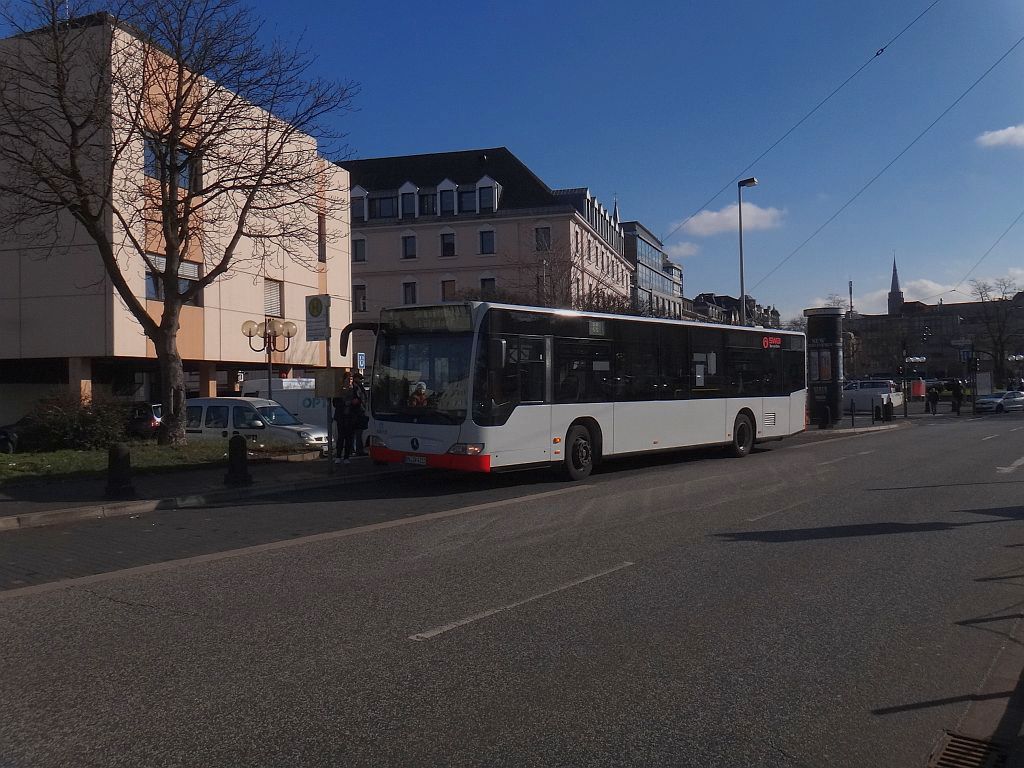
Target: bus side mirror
497 353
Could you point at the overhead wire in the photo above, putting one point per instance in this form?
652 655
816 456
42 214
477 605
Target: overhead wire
891 163
798 123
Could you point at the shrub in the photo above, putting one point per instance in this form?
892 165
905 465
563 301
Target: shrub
65 422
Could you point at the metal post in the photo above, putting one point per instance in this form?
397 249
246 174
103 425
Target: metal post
743 290
853 410
330 419
269 342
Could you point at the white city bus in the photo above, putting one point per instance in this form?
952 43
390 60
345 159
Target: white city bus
487 387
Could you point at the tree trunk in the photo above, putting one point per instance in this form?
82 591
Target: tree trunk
172 390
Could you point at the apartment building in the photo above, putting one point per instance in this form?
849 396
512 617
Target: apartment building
476 224
66 325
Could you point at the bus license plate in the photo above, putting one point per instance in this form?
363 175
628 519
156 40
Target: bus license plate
422 460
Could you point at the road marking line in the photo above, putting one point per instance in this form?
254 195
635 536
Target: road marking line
988 438
1016 429
776 511
140 570
842 458
431 633
1012 468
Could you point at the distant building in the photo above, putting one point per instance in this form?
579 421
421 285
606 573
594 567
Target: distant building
476 224
726 309
947 335
657 281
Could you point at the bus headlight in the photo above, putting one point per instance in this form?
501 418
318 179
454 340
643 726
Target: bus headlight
377 441
467 449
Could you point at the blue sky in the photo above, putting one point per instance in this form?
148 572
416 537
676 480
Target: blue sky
664 103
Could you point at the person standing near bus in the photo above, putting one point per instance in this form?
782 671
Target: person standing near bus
958 395
361 421
346 411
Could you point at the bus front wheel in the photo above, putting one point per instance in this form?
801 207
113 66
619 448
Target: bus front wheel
579 454
742 436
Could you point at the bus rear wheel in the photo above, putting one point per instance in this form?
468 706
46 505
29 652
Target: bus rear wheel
742 436
579 454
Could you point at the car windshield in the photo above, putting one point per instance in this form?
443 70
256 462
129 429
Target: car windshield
278 416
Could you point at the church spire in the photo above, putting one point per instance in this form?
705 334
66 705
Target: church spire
895 294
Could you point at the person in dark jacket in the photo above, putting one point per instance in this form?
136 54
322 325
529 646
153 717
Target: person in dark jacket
958 395
348 413
933 399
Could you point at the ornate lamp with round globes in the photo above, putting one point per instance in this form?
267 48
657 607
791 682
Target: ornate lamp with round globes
271 332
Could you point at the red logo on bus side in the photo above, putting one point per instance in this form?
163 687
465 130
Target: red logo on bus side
771 342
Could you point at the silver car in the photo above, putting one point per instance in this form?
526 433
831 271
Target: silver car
998 402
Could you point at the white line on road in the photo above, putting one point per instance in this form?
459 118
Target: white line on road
53 586
842 458
1012 468
430 633
1016 429
988 438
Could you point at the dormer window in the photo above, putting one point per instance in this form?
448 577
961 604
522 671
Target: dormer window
447 202
486 199
408 205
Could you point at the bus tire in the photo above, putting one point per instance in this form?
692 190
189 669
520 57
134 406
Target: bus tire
579 454
742 436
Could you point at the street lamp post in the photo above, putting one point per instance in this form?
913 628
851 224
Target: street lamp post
751 182
271 330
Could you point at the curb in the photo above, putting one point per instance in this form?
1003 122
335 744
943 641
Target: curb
841 431
144 506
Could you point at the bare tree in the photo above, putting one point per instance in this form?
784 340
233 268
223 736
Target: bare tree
230 135
1000 319
795 324
836 300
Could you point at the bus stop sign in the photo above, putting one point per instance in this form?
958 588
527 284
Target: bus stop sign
361 361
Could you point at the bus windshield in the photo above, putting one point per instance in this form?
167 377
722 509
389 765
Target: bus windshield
421 377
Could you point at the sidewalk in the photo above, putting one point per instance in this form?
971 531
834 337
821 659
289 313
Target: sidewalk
51 502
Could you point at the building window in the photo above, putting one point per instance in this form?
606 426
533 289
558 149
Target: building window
487 241
486 199
358 298
467 201
448 244
383 207
359 250
428 204
447 202
408 293
321 238
409 247
543 238
487 287
447 290
358 208
408 205
188 273
157 164
273 298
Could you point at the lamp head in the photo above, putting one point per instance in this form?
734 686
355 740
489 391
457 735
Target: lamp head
249 328
751 182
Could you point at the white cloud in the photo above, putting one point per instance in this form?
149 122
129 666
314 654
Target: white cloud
682 250
707 223
1007 137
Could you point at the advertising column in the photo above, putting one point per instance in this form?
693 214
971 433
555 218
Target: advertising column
825 364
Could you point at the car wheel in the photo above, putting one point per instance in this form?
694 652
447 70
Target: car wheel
999 408
742 436
579 454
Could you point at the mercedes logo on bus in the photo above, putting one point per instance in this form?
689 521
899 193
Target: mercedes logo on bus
415 443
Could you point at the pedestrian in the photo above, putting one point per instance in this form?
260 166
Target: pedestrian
360 417
346 409
958 395
933 399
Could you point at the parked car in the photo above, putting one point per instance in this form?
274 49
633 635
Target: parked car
144 420
998 402
263 423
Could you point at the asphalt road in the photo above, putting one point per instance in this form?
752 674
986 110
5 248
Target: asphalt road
819 603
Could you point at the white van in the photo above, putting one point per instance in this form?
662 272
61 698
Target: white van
297 395
262 422
867 394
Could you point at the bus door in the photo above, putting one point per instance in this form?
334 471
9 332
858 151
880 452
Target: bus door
525 436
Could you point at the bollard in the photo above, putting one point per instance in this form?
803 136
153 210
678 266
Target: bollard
119 472
875 412
826 418
887 411
238 462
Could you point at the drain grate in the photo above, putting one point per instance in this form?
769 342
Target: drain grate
958 751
